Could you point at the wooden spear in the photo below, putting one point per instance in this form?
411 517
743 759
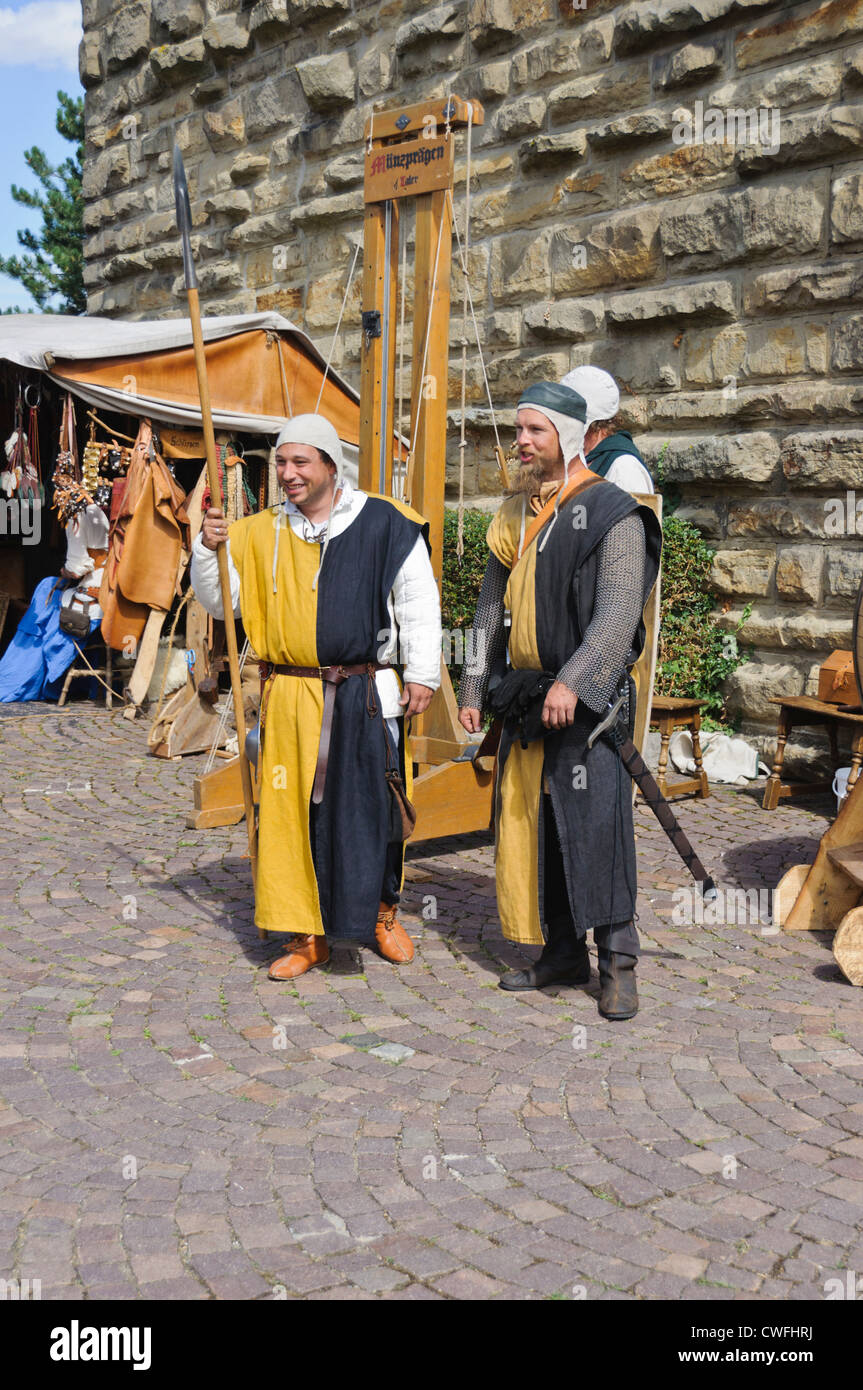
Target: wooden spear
184 223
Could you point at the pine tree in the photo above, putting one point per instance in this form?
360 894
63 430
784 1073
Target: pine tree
56 265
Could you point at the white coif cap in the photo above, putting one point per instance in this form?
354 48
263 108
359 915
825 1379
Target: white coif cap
316 431
599 389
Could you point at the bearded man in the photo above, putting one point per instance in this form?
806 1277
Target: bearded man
573 559
330 585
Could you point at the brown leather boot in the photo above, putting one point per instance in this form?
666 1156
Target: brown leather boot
392 940
303 952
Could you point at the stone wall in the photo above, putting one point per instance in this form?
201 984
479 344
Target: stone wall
626 211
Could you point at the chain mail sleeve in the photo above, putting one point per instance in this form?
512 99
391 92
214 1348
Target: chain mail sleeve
593 671
489 637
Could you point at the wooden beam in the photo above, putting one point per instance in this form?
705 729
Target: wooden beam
431 364
400 119
378 359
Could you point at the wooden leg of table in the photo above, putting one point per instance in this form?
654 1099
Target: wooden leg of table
774 781
665 727
696 753
856 758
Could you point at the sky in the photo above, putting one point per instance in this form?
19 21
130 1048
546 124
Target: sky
38 57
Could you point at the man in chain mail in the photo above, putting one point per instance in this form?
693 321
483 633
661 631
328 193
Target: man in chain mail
573 559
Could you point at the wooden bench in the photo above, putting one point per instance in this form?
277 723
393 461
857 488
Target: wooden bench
668 713
804 711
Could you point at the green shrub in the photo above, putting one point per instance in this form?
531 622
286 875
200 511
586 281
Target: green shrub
695 656
462 579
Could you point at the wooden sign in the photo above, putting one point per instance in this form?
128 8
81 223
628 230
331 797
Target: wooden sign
408 168
182 443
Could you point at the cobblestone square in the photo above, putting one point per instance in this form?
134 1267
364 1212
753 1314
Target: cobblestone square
175 1126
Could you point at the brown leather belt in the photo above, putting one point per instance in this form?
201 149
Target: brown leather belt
332 676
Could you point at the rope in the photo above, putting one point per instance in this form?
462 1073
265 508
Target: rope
459 545
475 325
401 491
94 674
338 326
224 711
428 332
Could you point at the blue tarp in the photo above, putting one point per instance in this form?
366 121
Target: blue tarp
39 654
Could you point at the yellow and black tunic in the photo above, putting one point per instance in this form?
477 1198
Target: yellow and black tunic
322 868
551 595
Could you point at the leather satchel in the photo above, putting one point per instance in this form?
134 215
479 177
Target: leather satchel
403 815
75 622
518 699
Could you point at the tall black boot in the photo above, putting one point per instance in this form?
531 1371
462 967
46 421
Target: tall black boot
618 997
564 961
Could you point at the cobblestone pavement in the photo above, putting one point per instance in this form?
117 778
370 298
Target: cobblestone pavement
174 1125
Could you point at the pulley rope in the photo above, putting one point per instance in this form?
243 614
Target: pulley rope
476 325
338 326
459 545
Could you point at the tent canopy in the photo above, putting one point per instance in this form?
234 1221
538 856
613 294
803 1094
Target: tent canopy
261 369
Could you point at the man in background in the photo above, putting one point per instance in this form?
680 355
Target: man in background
609 449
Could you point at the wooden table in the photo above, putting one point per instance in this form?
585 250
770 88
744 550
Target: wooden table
803 711
668 713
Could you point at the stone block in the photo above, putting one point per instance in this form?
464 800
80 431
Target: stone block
751 459
270 107
639 362
303 11
844 573
225 128
565 320
328 81
179 19
616 89
799 85
753 685
568 147
270 20
714 357
798 572
629 130
325 297
173 64
674 173
847 355
345 171
802 138
515 205
210 91
803 287
234 204
503 328
846 217
742 573
618 250
227 35
271 228
126 36
519 267
691 63
711 299
89 61
709 517
443 21
508 375
776 41
787 349
331 207
110 170
520 117
721 229
824 458
565 55
776 516
248 167
640 26
493 23
492 80
375 70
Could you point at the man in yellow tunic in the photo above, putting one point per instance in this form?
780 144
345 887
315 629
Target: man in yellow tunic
331 585
573 559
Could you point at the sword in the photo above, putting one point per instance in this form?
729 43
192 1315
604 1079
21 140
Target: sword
615 732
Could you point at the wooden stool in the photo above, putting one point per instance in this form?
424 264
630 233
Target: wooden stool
666 715
802 710
105 670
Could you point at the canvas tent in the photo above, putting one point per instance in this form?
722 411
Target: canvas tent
261 370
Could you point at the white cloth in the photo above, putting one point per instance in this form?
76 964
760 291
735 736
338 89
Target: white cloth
629 473
316 431
414 632
600 391
569 430
724 759
86 531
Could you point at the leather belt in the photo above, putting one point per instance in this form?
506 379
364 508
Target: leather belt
332 676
